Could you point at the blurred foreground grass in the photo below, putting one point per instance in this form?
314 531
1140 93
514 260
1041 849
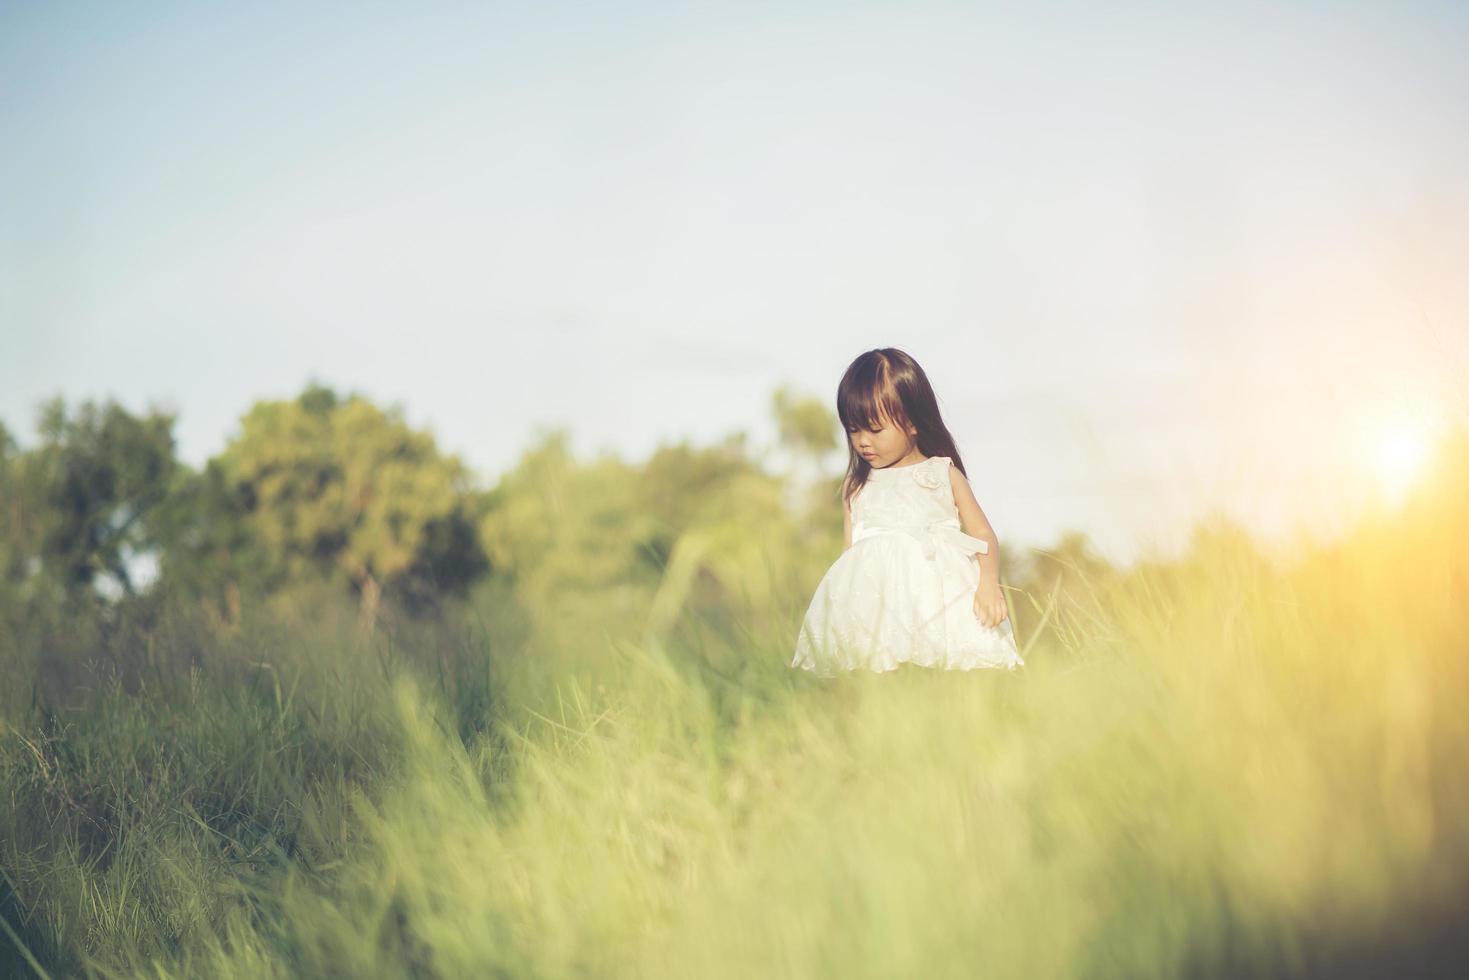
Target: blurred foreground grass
1209 767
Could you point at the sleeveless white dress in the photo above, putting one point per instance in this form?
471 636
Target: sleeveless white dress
904 591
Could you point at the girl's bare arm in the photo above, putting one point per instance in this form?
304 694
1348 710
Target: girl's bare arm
977 525
846 525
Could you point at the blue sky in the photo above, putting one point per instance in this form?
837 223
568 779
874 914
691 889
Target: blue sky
1156 258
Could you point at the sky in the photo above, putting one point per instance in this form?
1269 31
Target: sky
1158 260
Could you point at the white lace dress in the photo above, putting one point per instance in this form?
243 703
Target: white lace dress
904 591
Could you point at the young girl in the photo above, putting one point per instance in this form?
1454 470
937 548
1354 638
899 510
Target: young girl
912 585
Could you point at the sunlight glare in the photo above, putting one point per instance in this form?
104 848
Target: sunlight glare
1402 452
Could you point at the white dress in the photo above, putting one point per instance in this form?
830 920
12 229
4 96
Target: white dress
904 591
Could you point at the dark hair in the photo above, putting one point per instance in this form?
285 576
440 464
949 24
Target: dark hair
889 383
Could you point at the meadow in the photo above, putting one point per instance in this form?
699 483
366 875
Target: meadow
1215 765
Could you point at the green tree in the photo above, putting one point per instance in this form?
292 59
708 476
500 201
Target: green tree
12 555
611 545
210 551
582 550
79 507
807 427
333 487
807 430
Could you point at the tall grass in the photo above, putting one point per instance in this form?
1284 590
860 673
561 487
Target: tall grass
1217 766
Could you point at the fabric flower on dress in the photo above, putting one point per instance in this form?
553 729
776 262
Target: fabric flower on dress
927 477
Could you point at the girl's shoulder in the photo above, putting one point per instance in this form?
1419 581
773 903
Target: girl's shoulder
944 465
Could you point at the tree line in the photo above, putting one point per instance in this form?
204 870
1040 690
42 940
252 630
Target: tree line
330 490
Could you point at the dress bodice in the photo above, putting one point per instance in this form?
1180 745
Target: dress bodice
906 496
916 500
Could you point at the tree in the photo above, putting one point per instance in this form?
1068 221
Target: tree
79 505
808 433
13 555
210 551
806 425
338 487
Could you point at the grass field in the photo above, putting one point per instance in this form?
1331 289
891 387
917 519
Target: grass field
1217 766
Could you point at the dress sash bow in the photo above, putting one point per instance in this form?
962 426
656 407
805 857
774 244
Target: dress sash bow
945 534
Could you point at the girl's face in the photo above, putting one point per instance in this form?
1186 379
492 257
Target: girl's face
886 445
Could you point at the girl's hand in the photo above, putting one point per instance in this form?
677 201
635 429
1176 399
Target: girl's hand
989 604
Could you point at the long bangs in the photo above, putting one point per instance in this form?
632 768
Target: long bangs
866 395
